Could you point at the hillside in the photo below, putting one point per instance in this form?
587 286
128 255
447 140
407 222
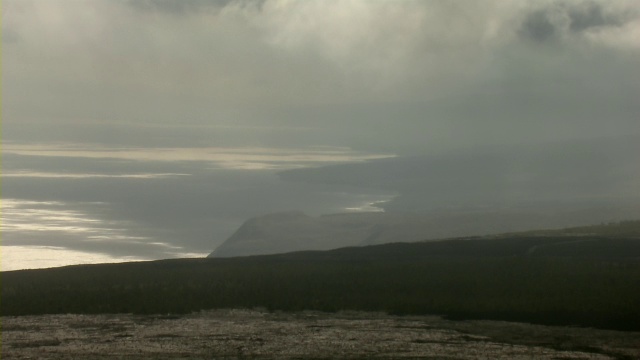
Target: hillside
627 228
589 281
295 231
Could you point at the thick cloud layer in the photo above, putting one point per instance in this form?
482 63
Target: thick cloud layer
407 76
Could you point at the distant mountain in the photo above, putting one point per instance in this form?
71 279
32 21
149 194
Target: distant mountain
469 192
296 231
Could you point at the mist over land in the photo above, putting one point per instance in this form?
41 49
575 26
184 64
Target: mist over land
154 129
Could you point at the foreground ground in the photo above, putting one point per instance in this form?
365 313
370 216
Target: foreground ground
234 334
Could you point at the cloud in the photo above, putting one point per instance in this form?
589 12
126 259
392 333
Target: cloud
355 71
538 26
112 96
218 157
54 175
591 15
182 7
562 20
9 36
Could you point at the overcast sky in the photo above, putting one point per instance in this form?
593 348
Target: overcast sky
154 128
394 76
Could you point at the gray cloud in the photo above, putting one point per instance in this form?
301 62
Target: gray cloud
588 15
539 26
401 77
187 7
9 36
177 7
558 20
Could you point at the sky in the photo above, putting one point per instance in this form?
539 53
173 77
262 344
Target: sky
114 109
393 75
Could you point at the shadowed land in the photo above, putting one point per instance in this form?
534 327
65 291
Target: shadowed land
560 278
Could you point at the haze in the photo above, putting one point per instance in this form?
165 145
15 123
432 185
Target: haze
153 128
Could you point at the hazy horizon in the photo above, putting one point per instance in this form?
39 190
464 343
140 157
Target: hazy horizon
153 128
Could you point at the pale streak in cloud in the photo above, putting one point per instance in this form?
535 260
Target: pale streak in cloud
228 158
52 175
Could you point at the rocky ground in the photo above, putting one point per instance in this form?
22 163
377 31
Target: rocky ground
235 334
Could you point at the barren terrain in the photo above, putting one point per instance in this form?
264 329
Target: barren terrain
234 334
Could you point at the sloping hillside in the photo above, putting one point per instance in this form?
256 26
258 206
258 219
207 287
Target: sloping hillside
588 280
295 231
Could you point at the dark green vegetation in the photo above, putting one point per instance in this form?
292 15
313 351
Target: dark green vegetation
587 280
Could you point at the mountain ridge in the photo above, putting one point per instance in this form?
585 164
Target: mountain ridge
296 231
